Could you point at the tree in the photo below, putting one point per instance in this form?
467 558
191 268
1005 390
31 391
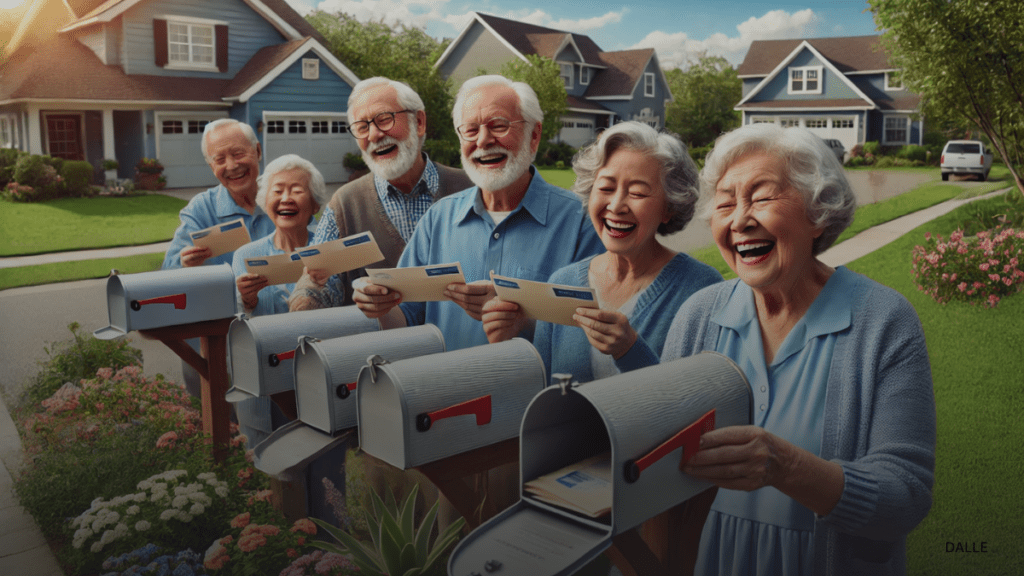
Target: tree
542 74
401 53
704 96
966 60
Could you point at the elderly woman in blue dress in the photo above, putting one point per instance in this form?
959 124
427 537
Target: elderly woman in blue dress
291 191
838 466
636 183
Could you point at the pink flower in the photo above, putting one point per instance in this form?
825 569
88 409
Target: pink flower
251 542
304 525
993 277
269 530
983 267
962 286
1007 281
241 521
264 495
167 439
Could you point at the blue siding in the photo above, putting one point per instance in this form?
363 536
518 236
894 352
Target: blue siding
777 88
749 84
247 33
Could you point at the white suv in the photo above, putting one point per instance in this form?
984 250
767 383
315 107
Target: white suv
837 148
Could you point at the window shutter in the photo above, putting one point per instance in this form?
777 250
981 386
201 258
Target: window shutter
160 41
221 32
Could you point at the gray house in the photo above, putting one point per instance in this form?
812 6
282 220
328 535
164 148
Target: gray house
602 87
128 79
841 88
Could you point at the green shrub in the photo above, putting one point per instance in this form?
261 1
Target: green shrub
885 162
444 152
856 161
354 162
8 158
873 148
109 164
77 177
550 153
984 268
913 152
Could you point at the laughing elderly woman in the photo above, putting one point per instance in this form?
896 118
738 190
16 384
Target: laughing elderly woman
838 466
636 184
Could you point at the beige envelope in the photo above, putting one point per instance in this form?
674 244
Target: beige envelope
342 255
279 268
223 238
549 302
419 283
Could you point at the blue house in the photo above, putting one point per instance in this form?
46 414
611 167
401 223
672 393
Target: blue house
127 79
841 88
602 87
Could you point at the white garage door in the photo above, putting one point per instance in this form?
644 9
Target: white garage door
841 128
179 149
323 140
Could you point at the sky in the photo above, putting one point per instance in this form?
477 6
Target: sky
678 29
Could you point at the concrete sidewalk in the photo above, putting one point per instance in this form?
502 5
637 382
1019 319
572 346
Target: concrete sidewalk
24 551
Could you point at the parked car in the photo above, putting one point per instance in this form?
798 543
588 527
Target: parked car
837 148
965 157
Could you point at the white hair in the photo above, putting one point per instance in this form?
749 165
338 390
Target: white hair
529 106
247 130
317 188
408 99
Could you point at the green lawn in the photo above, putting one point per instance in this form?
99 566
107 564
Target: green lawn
81 223
562 178
79 270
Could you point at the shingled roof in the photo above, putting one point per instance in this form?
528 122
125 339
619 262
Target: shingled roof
848 54
261 63
533 39
624 69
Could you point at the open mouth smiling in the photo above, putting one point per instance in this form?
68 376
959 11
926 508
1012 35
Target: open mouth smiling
754 250
490 159
619 229
385 150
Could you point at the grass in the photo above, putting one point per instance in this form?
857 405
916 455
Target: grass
79 270
977 362
556 177
101 222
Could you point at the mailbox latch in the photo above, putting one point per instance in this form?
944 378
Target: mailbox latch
563 381
373 362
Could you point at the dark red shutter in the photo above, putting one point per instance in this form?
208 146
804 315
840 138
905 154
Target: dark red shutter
221 32
160 41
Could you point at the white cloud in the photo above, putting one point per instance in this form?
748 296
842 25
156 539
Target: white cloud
675 49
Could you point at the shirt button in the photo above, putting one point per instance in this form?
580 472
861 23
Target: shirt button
496 235
764 388
763 407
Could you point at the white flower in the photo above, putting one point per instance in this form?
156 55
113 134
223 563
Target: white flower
196 509
142 526
221 491
184 516
96 547
108 537
168 514
96 502
201 498
180 490
179 501
121 530
206 476
132 510
82 534
145 484
98 524
140 497
157 496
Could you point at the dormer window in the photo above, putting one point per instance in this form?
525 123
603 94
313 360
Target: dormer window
893 81
584 75
805 80
565 73
185 43
648 84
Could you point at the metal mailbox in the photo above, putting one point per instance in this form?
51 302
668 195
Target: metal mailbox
649 420
416 411
326 371
262 348
168 298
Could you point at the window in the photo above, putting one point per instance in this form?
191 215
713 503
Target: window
805 80
584 75
762 120
567 124
296 126
275 127
197 126
310 68
789 122
6 132
893 81
339 127
319 126
648 84
842 122
566 74
896 130
190 44
816 123
173 127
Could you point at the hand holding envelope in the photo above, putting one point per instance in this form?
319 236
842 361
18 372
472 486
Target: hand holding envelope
419 283
278 269
342 255
222 238
542 301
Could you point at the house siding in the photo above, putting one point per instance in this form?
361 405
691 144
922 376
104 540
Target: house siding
876 128
833 87
479 49
749 84
247 33
97 42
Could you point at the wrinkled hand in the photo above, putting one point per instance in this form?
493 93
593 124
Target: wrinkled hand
375 301
318 276
741 458
471 297
195 255
502 320
608 331
249 286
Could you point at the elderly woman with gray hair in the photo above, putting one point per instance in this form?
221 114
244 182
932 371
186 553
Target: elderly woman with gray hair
837 467
636 183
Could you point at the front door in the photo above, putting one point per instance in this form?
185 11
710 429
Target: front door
64 136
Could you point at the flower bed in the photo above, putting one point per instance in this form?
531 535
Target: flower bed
984 268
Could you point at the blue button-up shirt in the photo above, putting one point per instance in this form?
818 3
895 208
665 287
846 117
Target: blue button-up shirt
405 210
548 230
215 206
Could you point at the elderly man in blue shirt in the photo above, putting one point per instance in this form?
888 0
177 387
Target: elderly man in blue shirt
511 222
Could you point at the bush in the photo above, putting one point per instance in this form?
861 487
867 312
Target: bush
855 161
109 164
77 177
149 166
14 192
444 152
700 153
984 268
549 154
885 162
39 173
8 158
873 148
118 187
354 162
913 152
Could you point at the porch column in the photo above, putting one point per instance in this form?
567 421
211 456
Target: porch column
35 131
108 135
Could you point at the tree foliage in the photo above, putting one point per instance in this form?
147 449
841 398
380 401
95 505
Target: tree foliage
542 74
397 52
966 60
704 96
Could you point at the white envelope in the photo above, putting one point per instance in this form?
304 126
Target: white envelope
342 255
553 303
419 283
222 238
279 268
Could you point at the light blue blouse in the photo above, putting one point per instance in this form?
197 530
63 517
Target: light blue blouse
272 299
765 531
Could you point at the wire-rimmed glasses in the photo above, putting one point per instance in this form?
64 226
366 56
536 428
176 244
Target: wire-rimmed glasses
384 121
498 127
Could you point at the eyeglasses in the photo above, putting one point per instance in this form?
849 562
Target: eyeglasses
384 121
498 127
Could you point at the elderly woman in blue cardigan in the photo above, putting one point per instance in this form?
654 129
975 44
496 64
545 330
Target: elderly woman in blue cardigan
837 467
636 183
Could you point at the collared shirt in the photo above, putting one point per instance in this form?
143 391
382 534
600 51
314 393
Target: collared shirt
274 298
405 210
209 208
548 230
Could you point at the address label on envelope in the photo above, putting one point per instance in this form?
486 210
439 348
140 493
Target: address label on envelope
419 283
222 238
279 268
548 302
342 255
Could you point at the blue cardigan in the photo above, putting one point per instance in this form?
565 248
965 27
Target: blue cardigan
565 349
879 424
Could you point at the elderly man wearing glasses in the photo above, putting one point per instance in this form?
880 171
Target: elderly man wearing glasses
388 120
511 222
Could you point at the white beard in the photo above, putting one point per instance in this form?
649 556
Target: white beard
493 180
393 168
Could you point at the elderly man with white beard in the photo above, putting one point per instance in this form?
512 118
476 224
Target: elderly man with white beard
388 120
511 222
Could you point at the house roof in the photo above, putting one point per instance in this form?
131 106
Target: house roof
847 54
573 102
625 68
533 39
905 101
82 7
261 64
